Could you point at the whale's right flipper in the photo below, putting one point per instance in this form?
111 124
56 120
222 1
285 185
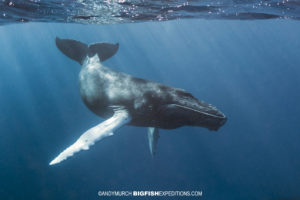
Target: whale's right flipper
153 136
78 51
94 134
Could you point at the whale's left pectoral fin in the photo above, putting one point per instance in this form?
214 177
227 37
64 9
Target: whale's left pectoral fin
153 135
94 134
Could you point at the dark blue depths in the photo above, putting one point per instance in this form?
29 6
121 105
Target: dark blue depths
248 69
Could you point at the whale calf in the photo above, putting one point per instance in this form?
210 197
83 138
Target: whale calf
123 99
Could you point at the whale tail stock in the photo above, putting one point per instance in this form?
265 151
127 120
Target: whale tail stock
78 51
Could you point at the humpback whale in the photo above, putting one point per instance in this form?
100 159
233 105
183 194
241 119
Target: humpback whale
123 99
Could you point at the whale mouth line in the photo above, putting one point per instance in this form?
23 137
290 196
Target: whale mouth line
215 116
221 116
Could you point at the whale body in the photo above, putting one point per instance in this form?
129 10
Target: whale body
123 99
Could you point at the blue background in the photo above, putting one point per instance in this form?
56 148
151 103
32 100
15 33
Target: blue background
248 69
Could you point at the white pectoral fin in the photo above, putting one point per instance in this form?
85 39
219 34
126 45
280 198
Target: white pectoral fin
153 135
94 134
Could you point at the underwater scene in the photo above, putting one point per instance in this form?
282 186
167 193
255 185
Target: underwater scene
150 100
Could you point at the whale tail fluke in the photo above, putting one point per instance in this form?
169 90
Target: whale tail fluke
78 51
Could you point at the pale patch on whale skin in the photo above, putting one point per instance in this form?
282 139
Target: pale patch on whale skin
124 99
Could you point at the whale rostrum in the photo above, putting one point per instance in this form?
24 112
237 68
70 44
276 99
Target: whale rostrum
123 99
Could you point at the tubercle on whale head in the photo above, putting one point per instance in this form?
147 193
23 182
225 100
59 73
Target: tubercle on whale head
215 117
217 121
209 117
220 123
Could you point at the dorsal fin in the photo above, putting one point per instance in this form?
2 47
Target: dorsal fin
78 51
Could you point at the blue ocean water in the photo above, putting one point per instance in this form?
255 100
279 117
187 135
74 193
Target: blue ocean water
248 69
